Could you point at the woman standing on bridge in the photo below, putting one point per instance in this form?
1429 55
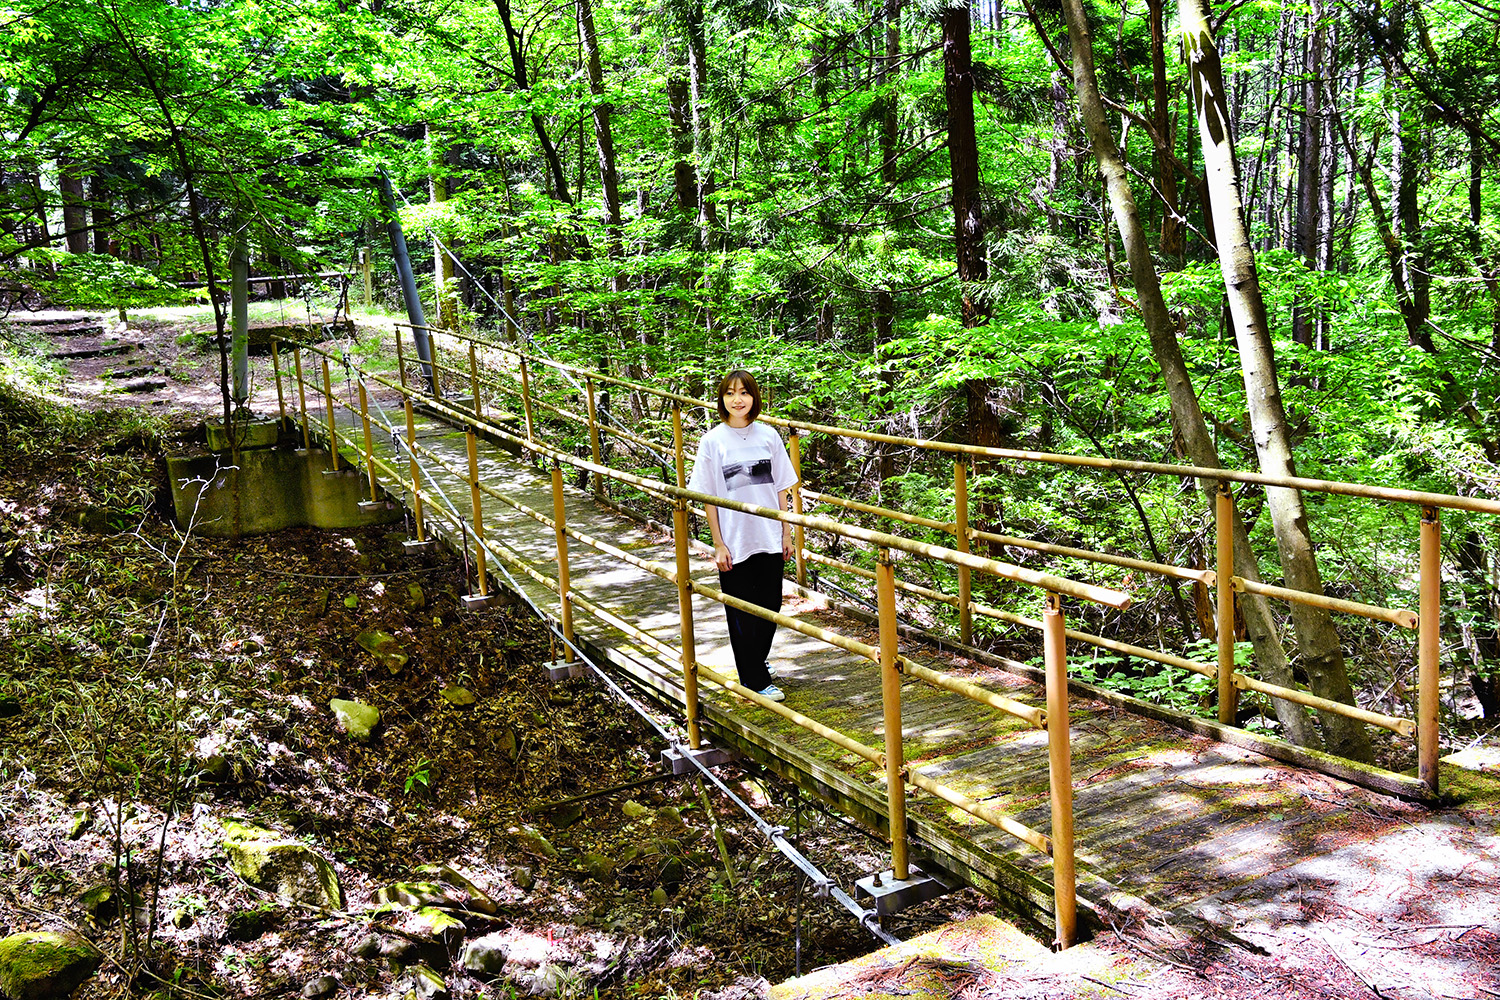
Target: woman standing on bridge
745 461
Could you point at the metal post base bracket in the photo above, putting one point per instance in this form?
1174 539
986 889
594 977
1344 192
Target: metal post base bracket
343 472
376 505
411 546
561 670
477 602
892 895
682 763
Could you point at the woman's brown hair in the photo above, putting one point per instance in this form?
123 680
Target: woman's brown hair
748 383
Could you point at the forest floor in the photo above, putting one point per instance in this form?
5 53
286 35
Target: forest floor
153 685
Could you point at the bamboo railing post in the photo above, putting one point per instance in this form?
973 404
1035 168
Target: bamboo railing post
526 397
961 536
594 447
1429 612
437 376
1060 760
1229 695
479 560
333 427
364 418
474 379
400 358
798 536
684 585
890 694
276 370
416 472
302 398
559 522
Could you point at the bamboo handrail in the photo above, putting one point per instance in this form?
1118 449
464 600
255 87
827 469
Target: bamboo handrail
1395 616
1394 494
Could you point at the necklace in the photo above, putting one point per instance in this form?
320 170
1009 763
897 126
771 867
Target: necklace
743 432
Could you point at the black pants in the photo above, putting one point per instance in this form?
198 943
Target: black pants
756 579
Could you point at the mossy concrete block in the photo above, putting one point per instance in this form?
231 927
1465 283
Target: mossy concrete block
269 860
269 490
45 965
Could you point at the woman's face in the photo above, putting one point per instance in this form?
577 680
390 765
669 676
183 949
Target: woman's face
738 403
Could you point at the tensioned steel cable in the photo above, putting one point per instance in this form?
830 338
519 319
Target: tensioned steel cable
823 886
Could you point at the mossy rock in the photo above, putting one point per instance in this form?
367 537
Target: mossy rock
45 965
268 860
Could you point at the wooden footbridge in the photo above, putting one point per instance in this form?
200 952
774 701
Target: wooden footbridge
1059 798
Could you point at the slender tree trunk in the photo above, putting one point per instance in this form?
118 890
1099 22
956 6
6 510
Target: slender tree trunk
104 217
1318 642
603 139
885 302
679 114
515 43
74 205
697 50
968 208
442 264
1308 223
1161 120
1187 417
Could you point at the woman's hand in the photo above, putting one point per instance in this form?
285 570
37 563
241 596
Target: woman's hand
722 559
788 550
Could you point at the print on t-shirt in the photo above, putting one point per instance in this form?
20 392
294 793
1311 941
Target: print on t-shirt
747 467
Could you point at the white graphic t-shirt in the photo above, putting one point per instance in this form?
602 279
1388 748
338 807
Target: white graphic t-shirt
747 464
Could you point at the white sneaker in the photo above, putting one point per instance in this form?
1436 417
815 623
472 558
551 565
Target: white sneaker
772 693
771 671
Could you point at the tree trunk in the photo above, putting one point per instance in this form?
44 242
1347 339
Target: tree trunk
104 217
603 140
968 208
1187 417
885 302
1318 642
74 205
514 42
697 51
1307 225
442 263
1161 115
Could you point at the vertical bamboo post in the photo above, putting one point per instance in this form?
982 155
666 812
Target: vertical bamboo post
400 357
479 557
890 694
302 398
474 379
797 533
1429 612
594 446
364 418
364 257
1229 695
437 377
276 370
416 472
333 427
526 397
684 588
961 537
1060 760
560 523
